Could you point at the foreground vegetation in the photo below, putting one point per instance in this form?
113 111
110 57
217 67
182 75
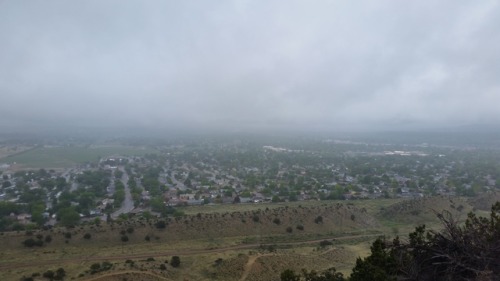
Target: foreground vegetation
469 251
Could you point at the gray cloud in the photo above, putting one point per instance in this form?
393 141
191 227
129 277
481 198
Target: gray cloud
250 64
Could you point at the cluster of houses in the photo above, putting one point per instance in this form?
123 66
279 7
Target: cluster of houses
204 182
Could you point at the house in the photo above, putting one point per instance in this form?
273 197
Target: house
187 197
246 200
23 218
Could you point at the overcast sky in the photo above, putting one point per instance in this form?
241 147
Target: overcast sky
242 65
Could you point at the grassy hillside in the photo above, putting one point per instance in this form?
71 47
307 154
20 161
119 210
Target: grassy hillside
226 242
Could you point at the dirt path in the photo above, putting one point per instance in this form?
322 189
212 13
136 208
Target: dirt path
181 252
249 265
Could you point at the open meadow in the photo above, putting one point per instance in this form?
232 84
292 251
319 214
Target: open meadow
69 156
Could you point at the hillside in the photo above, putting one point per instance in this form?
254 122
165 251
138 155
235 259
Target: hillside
233 242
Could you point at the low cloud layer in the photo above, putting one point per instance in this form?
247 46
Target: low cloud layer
242 65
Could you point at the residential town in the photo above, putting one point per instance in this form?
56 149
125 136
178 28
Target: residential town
239 172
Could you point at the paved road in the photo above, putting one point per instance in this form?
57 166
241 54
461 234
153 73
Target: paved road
128 203
178 184
74 186
67 176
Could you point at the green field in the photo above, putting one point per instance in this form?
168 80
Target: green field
63 157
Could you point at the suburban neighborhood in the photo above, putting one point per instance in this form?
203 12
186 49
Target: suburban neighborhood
237 172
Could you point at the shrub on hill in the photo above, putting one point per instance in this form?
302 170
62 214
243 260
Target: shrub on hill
124 238
175 261
328 275
161 224
30 242
98 267
325 243
318 219
255 218
49 274
59 274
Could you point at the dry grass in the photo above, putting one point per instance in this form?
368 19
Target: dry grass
485 201
423 210
220 243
